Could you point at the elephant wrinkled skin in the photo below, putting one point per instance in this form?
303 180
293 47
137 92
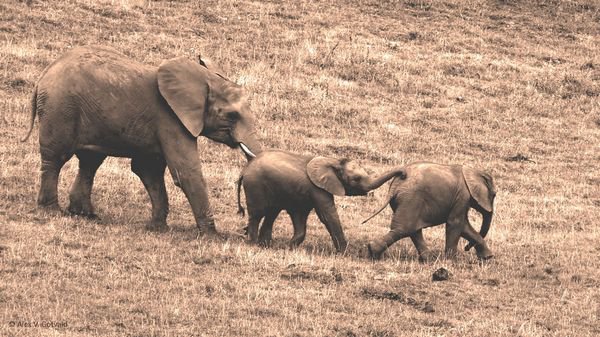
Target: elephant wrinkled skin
278 180
433 194
95 102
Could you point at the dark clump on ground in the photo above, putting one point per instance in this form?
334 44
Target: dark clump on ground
440 275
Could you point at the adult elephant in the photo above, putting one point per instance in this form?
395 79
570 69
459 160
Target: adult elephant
95 102
279 180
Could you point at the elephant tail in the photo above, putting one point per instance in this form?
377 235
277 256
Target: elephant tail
241 209
387 201
33 113
485 227
377 212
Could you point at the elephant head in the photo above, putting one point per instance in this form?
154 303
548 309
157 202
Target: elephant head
481 187
346 177
208 104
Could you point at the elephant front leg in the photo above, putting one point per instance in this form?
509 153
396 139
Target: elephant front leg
151 170
453 232
327 213
183 162
481 248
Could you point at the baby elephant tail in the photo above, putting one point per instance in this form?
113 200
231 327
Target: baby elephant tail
241 209
34 97
377 212
399 175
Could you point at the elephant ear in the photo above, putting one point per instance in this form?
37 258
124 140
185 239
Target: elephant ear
321 171
481 187
210 65
184 85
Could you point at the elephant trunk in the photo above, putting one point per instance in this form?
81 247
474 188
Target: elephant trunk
247 141
241 210
375 183
390 195
485 227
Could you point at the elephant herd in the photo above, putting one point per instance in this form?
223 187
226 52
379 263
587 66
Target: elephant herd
94 102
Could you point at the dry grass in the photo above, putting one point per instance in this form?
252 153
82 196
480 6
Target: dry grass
511 86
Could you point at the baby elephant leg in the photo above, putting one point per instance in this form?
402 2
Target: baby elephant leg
424 253
453 233
403 224
80 202
376 248
483 252
252 228
266 230
299 221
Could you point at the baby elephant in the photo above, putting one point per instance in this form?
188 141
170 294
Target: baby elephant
432 194
278 180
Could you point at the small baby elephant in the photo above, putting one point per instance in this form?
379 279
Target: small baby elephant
431 194
279 180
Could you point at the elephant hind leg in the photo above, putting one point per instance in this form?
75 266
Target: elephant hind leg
254 218
50 170
151 171
424 253
376 248
405 223
299 222
483 252
266 229
80 202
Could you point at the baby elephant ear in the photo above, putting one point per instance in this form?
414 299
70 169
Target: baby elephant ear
210 65
481 187
321 171
183 84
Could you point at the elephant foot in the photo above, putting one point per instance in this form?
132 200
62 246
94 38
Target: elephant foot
375 251
296 240
48 205
483 252
84 214
427 257
450 253
157 226
341 249
208 229
264 243
484 255
88 216
82 210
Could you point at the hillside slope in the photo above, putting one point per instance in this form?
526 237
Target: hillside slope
509 86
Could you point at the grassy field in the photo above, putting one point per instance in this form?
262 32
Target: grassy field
510 86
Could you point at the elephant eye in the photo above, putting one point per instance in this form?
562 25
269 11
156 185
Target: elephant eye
232 115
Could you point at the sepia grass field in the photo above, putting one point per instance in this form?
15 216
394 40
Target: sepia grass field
509 86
